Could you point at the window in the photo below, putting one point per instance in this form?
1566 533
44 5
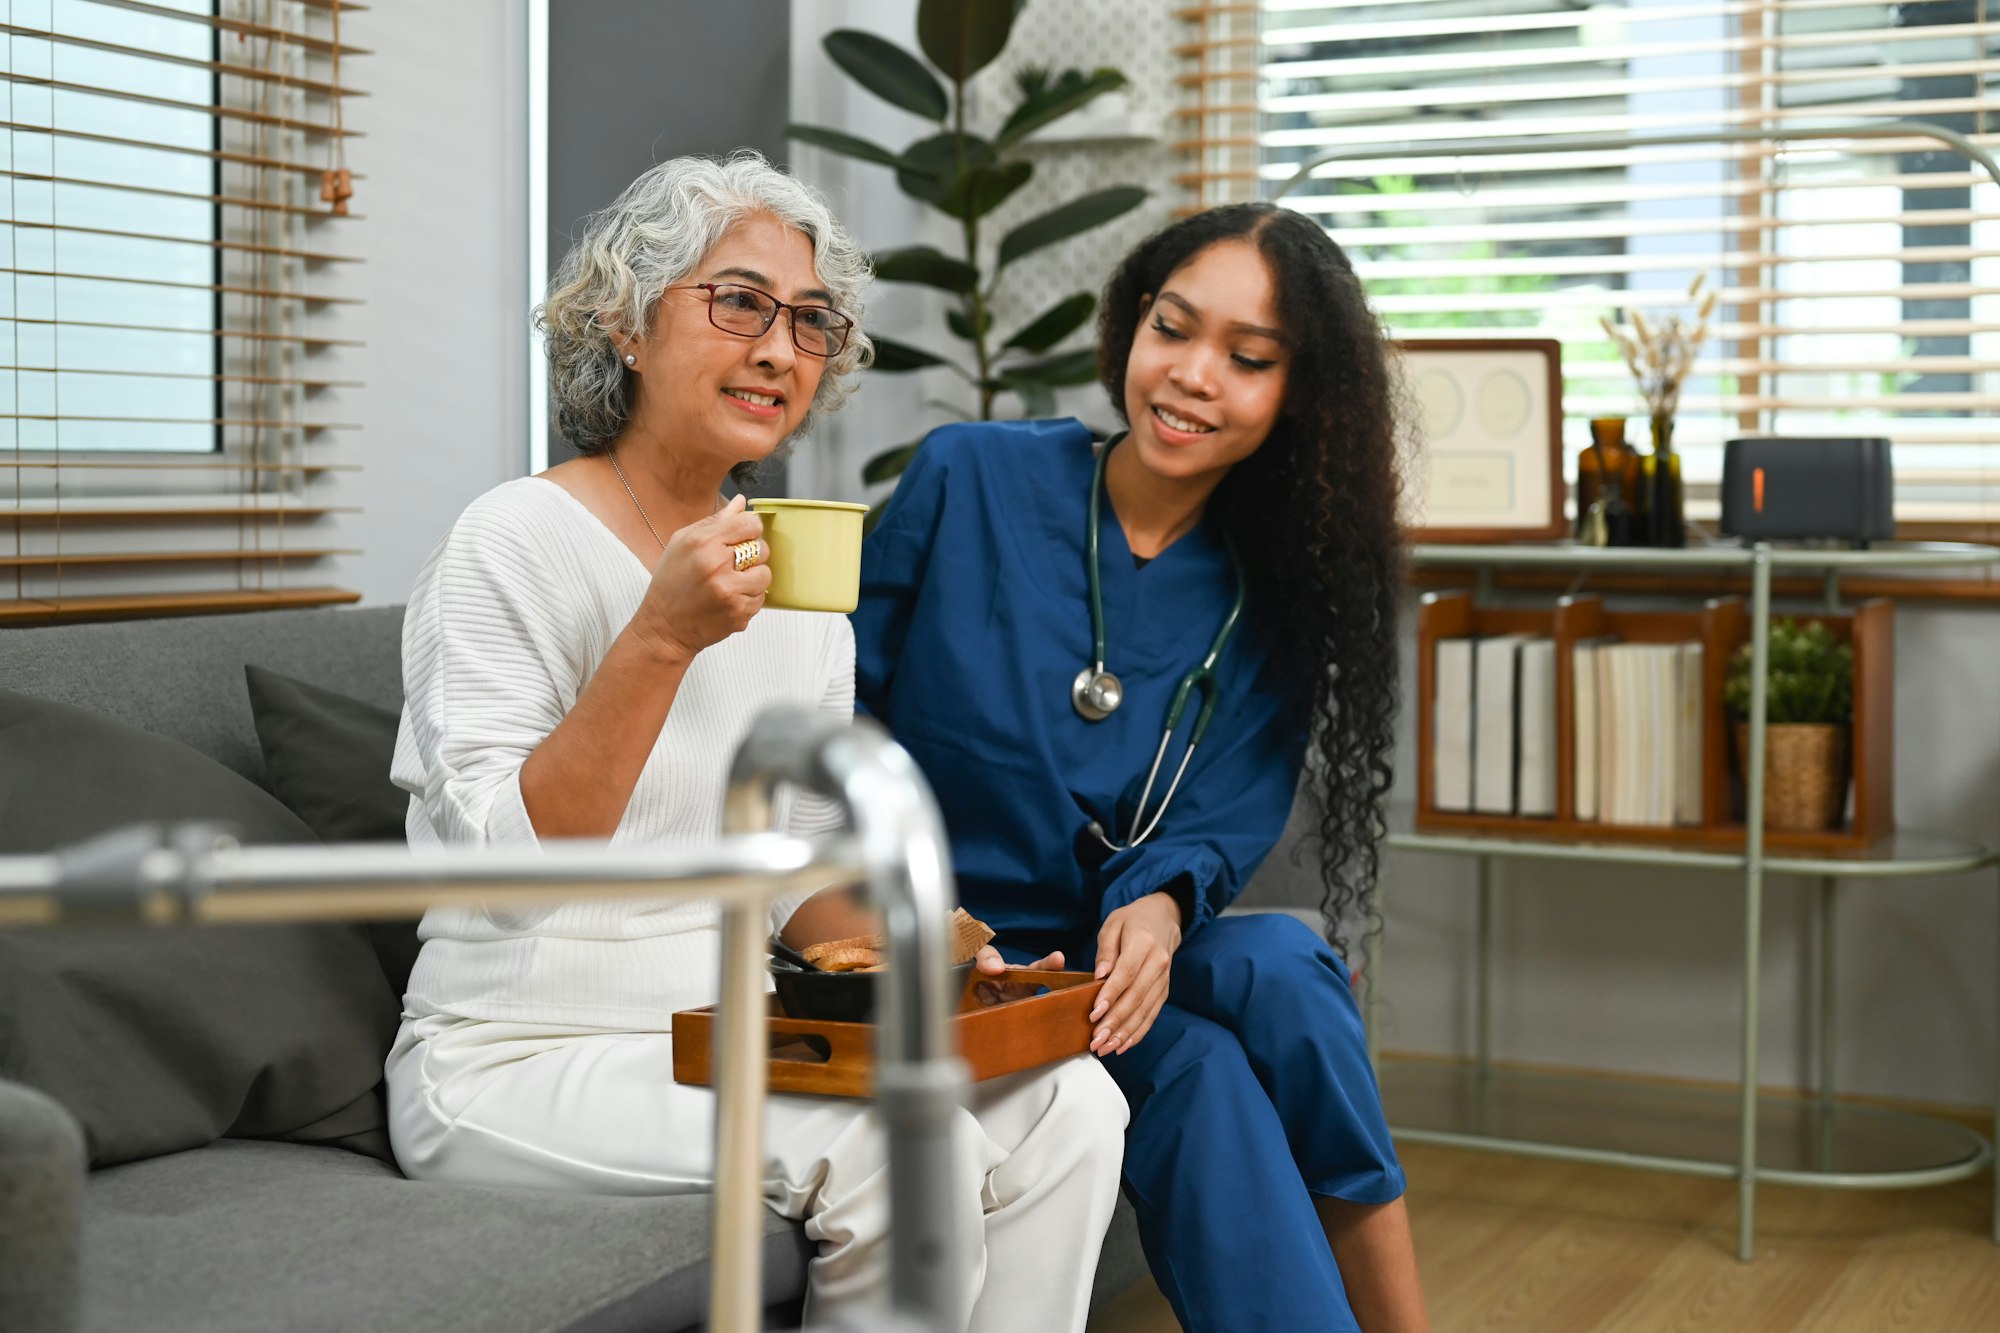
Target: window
109 230
167 372
1858 277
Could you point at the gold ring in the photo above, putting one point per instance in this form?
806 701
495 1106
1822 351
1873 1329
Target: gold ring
747 552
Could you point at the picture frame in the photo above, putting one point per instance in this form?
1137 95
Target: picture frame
1484 437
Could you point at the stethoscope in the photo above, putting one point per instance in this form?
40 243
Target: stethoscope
1096 693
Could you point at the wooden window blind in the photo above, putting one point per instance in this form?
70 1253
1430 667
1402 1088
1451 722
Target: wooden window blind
1859 281
175 217
1218 76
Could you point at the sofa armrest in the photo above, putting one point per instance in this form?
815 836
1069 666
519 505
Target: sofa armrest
41 1212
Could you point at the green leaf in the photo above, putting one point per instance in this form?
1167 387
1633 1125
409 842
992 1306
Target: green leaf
891 355
986 188
1071 368
932 168
961 323
889 463
1037 400
1072 92
847 144
1031 79
1056 323
962 37
888 71
1070 219
929 266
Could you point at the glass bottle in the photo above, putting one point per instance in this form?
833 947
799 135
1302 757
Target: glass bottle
1666 518
1604 479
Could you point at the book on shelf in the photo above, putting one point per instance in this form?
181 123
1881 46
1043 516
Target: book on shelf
1688 745
1645 737
1535 729
1451 731
1493 736
1496 668
1583 722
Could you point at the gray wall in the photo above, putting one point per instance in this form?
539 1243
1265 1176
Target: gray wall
634 82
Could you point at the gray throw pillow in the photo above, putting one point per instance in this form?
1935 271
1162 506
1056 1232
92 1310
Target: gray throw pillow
328 758
161 1040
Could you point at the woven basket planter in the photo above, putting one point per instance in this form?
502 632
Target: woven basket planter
1805 774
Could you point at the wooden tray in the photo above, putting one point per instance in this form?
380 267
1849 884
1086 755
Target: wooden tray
838 1059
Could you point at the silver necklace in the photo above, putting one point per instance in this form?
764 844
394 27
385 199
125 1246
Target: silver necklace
613 456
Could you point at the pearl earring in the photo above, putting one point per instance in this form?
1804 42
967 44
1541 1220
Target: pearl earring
631 360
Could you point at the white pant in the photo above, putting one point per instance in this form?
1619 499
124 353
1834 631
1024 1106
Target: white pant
585 1110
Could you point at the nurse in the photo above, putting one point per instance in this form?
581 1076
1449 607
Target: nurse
1032 606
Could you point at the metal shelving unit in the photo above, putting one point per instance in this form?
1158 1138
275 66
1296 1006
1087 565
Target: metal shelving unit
1813 1141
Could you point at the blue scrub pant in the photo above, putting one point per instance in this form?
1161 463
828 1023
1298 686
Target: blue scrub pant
1252 1093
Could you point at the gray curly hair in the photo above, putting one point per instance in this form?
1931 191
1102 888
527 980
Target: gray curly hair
649 239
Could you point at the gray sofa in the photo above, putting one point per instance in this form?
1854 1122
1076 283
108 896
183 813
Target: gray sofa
261 1233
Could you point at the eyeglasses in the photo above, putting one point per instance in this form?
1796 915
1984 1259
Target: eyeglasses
817 330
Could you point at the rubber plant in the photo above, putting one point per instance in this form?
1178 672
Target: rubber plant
966 177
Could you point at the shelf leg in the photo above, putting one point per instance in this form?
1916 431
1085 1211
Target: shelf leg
1483 974
1825 1029
1483 998
1753 896
1996 1120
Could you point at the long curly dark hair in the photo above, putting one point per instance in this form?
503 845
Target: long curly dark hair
1313 514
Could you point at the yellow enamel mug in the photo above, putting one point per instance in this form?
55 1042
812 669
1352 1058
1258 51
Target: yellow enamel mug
815 553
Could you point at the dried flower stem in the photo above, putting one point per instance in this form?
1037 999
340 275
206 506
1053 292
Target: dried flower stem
1660 352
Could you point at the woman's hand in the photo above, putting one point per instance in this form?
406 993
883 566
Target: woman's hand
989 961
1135 954
698 597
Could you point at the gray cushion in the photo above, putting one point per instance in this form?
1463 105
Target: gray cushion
184 678
328 757
252 1237
1122 1262
162 1040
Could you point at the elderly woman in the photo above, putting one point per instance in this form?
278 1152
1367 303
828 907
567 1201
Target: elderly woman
582 653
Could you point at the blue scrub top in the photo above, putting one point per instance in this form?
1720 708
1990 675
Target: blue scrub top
974 620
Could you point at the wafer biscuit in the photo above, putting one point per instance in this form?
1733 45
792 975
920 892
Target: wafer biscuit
865 953
969 936
816 954
849 960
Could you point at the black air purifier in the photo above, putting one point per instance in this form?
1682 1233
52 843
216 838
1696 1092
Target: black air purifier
1797 489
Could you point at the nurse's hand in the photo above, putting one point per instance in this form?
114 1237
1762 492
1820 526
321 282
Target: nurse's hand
1135 955
989 961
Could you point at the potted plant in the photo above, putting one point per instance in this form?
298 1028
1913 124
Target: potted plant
1808 708
966 176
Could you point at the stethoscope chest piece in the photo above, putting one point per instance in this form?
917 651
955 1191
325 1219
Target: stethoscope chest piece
1096 693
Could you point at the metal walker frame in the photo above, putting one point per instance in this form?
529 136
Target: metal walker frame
192 876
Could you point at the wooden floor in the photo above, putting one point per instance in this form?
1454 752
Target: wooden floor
1510 1243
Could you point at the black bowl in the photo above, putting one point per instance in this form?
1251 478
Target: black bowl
837 997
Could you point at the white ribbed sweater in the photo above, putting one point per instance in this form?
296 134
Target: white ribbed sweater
511 614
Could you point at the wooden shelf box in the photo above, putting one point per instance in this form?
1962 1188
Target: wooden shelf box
1721 626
